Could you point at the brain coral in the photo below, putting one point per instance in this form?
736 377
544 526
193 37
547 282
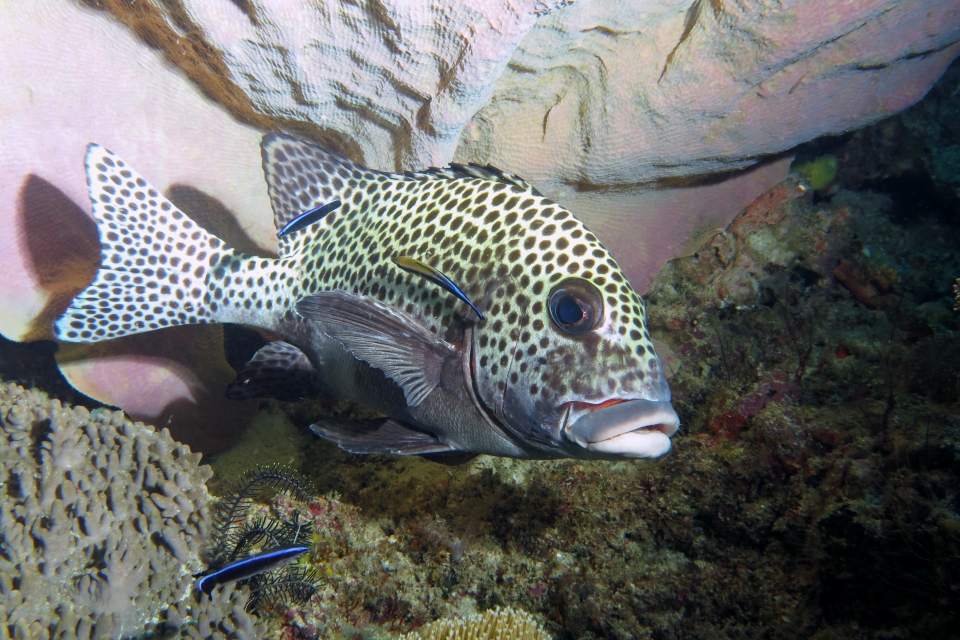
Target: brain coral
102 521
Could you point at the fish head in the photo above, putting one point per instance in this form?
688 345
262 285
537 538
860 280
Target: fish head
564 359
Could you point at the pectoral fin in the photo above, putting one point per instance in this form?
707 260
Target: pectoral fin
382 336
278 370
380 436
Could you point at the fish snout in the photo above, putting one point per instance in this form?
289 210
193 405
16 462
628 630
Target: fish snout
629 429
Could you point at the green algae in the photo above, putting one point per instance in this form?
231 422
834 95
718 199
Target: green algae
820 172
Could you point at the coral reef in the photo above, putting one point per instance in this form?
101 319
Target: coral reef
241 532
811 492
102 521
497 623
224 617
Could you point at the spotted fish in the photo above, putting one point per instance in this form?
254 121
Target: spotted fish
553 360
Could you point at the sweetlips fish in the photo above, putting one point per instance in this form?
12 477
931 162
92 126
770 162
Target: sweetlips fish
481 317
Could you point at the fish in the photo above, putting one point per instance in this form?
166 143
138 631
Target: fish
554 361
248 567
307 218
412 265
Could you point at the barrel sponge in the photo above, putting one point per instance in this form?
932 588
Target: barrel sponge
102 522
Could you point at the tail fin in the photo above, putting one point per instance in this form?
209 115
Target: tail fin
154 259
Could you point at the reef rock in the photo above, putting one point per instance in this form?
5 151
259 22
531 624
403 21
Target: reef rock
602 94
568 93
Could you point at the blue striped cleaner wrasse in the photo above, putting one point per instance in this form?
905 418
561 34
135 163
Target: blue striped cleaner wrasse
249 567
479 316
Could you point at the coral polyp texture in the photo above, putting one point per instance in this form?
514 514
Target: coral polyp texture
495 624
102 521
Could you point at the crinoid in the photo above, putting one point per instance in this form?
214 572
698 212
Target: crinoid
264 532
243 543
293 585
232 530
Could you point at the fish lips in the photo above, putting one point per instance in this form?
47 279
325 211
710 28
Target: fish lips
630 429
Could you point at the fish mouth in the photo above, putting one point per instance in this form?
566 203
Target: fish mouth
623 428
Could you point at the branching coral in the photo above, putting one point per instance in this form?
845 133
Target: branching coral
101 524
496 623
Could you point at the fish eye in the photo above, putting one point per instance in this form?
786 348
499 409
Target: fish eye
575 305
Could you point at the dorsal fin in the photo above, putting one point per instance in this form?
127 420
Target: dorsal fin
457 171
301 177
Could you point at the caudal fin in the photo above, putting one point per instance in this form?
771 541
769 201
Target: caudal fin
154 259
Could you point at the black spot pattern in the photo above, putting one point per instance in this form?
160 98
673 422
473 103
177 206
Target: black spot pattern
505 245
497 238
154 261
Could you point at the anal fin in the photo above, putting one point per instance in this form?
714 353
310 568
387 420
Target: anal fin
278 370
386 436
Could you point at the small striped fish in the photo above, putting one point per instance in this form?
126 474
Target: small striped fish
248 567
